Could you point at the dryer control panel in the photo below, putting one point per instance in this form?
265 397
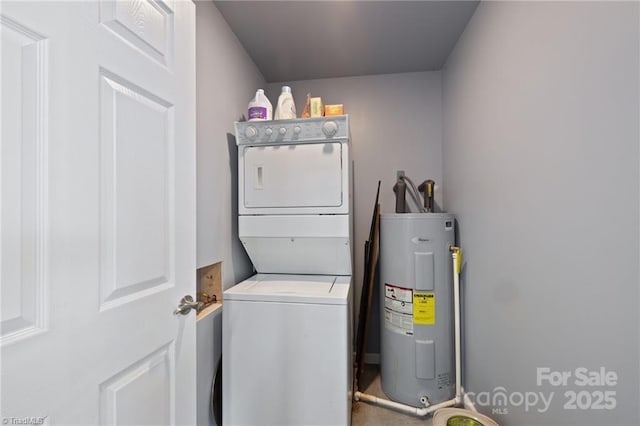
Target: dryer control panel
299 130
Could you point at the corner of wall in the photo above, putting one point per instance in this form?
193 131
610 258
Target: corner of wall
222 96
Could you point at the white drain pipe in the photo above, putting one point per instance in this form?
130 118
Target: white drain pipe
467 403
456 256
404 408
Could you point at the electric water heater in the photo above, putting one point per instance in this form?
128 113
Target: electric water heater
416 280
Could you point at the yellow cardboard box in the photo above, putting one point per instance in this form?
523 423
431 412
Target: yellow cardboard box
337 109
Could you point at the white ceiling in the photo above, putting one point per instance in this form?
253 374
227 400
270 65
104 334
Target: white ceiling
303 40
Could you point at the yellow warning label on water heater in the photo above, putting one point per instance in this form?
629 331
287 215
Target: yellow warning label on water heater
424 308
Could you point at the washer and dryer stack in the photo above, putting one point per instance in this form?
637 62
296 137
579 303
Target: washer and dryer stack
287 352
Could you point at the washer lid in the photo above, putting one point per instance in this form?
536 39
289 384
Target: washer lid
313 289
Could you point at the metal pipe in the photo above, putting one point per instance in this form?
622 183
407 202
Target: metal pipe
414 193
400 188
428 188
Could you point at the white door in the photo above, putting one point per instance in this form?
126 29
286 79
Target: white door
97 212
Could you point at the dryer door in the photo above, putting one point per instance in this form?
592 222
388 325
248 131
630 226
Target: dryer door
292 177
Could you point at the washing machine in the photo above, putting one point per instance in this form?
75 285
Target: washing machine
287 331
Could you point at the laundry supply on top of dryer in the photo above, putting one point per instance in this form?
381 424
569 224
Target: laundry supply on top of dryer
306 111
260 107
286 108
337 109
317 110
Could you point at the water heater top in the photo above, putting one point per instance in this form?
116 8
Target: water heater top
298 130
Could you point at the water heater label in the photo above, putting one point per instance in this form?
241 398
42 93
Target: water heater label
398 306
398 293
397 322
444 380
424 308
398 309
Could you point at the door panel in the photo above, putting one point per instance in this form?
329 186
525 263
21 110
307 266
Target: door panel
149 26
23 181
150 379
136 191
98 209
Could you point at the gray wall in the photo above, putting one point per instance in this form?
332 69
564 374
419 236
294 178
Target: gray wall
383 112
226 80
541 130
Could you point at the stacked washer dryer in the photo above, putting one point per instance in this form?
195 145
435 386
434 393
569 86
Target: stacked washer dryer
287 352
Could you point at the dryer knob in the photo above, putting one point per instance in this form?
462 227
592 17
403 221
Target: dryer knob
282 131
297 130
251 132
268 131
330 128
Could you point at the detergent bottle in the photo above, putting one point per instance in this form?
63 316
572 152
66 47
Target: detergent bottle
260 108
286 108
